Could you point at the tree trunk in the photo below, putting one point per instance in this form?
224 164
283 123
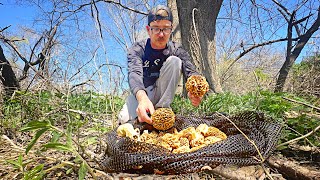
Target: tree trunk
197 21
176 36
176 33
8 78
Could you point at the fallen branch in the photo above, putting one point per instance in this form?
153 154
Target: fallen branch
292 170
231 172
299 102
301 137
313 115
63 163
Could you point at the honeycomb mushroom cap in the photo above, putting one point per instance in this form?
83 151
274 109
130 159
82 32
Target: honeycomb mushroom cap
163 119
197 85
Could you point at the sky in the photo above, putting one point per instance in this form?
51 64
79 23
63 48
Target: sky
11 14
15 15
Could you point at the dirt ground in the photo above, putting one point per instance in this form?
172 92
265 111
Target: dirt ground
62 165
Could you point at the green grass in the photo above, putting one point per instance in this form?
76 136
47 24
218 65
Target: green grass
66 117
46 106
271 104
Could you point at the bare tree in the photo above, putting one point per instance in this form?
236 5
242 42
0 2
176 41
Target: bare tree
8 77
196 20
294 50
258 25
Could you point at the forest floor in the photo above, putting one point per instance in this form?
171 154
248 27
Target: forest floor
294 163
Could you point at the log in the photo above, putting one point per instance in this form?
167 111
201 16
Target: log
291 169
239 173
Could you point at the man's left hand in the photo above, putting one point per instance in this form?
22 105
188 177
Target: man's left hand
195 101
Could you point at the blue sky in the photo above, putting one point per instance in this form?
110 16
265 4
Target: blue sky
11 14
15 15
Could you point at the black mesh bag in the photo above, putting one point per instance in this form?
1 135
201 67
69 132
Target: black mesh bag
126 155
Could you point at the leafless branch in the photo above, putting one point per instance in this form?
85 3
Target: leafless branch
33 51
248 50
96 17
299 102
15 48
125 7
23 58
146 4
302 19
79 69
3 29
282 7
285 10
90 78
295 131
301 137
108 1
305 37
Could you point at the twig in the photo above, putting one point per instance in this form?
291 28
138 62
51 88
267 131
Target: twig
1 30
71 164
252 142
91 170
301 137
109 1
299 102
247 51
267 173
313 115
12 143
257 79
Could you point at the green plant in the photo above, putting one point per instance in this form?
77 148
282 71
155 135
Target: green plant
71 145
59 119
36 173
272 104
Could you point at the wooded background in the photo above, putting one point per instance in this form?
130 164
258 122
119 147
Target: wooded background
81 45
63 72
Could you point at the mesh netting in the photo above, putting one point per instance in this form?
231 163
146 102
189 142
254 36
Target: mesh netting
126 155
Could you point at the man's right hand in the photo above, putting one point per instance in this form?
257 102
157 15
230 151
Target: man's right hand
145 106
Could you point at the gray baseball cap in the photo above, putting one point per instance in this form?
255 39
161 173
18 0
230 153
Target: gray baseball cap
154 14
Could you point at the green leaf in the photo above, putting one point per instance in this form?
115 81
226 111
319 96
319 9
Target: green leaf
282 148
20 161
16 164
82 171
58 146
35 125
35 174
55 136
35 138
69 171
77 160
89 141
